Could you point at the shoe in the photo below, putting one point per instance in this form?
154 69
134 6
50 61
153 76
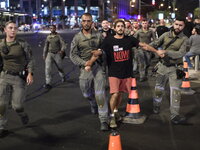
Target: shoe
3 133
63 79
94 110
143 79
156 109
24 119
118 117
178 120
113 123
104 126
93 107
47 86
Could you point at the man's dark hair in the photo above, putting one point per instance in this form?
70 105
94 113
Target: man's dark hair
127 21
104 20
54 26
197 28
181 19
86 14
117 21
9 22
144 20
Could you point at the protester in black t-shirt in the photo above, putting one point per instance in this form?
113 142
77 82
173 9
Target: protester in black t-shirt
189 25
161 28
119 60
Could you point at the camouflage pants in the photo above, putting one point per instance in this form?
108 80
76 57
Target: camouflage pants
92 85
12 90
49 61
165 75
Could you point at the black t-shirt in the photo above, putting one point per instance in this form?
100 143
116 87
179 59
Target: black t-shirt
119 56
161 29
110 32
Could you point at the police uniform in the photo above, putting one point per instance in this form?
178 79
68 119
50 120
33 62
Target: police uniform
53 45
144 57
15 56
167 71
92 84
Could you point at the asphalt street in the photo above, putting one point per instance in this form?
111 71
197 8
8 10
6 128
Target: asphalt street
60 118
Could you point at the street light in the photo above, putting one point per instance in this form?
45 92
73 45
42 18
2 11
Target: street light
132 3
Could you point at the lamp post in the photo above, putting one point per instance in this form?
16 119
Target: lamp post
199 8
63 14
50 8
139 5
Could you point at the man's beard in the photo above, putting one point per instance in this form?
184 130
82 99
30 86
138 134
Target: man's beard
87 28
120 33
176 32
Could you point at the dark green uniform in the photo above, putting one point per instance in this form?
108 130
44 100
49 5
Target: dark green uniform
144 57
12 85
92 83
167 72
53 45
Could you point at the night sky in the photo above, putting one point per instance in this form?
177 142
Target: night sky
186 6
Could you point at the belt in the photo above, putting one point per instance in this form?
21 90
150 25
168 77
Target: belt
53 52
12 73
171 64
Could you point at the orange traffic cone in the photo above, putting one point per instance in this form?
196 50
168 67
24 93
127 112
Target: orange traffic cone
133 114
186 87
114 141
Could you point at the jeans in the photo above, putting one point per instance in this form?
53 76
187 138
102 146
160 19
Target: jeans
187 58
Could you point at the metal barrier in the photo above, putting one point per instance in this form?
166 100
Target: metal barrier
196 65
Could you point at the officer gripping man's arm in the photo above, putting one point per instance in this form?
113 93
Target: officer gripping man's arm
175 44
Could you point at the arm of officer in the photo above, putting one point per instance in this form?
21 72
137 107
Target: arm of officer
95 56
95 53
63 44
46 47
75 54
30 63
153 35
1 63
152 49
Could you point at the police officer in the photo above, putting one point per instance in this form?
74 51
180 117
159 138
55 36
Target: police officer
174 44
16 60
54 52
106 30
144 35
92 83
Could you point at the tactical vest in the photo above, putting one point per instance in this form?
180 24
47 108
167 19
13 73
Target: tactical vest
15 60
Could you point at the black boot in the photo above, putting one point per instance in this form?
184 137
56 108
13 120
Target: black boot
3 133
104 126
93 107
24 119
23 116
179 120
156 107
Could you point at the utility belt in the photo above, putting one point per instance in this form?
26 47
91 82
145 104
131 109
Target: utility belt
53 52
167 64
12 72
179 71
22 74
